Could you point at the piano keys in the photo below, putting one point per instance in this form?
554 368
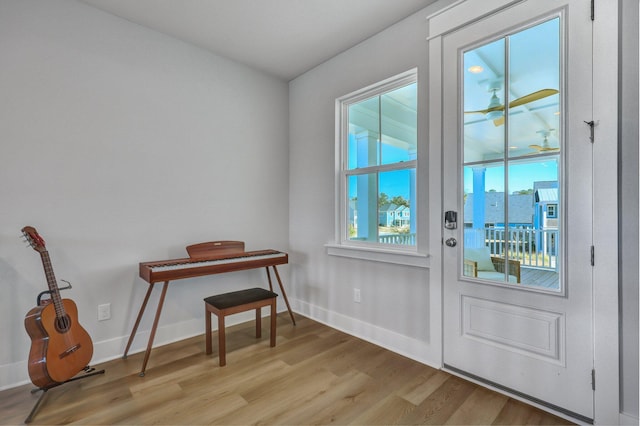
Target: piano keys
205 259
176 269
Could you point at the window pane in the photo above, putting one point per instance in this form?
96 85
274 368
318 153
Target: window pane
380 207
394 207
363 202
364 136
484 218
511 163
534 233
484 70
534 99
399 124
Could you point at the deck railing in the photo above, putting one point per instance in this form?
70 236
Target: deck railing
404 239
532 247
537 248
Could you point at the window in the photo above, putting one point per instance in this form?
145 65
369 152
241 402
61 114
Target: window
512 167
377 164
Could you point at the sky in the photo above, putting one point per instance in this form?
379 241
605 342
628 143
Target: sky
521 176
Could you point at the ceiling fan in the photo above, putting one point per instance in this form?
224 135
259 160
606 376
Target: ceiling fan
545 147
495 109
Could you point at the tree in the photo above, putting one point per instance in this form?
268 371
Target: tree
524 191
400 201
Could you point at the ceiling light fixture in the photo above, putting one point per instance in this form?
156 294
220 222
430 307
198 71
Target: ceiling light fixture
475 69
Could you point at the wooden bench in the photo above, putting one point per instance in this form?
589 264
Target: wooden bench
233 303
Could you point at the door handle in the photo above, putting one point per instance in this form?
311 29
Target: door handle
451 242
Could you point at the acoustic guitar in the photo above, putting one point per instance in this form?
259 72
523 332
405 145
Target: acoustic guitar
60 347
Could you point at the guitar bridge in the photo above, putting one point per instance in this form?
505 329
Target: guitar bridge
69 351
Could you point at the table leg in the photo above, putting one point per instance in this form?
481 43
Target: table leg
154 327
269 278
284 294
135 326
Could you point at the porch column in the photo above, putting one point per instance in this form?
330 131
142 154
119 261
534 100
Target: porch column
412 195
367 203
475 237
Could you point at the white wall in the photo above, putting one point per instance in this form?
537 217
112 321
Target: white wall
629 210
398 302
122 145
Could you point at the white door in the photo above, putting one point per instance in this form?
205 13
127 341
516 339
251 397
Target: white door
517 167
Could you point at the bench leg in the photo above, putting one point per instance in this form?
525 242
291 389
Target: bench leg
207 331
222 349
258 323
272 332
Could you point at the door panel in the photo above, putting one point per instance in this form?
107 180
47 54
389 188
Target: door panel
518 168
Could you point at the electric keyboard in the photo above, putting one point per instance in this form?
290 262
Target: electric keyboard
209 258
170 270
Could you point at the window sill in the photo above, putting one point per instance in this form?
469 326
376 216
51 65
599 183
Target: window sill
398 257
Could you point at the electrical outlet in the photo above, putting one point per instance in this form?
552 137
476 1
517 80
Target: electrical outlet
356 295
104 312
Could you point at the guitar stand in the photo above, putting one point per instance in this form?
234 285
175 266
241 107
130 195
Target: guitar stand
88 372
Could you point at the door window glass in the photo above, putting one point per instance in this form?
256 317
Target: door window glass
512 140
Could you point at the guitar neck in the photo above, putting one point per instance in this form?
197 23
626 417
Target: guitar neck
52 283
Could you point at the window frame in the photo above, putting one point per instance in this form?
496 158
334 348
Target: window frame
372 250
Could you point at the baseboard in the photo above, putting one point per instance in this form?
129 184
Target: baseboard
16 374
13 375
414 349
628 420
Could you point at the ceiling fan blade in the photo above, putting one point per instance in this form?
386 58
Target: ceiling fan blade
488 110
543 148
540 94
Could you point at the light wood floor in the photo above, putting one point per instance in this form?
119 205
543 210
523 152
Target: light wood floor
314 375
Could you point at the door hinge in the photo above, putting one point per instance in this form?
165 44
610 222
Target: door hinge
593 256
591 125
593 379
593 10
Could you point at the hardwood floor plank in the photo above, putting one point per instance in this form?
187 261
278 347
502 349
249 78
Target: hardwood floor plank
314 375
518 413
315 408
481 408
420 389
389 411
441 404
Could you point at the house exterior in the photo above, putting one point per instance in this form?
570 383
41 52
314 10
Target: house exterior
394 215
521 210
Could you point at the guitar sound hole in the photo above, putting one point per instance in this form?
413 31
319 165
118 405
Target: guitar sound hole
63 324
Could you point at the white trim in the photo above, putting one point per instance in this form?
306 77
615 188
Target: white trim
605 226
342 246
435 157
453 17
414 349
379 254
13 375
628 420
